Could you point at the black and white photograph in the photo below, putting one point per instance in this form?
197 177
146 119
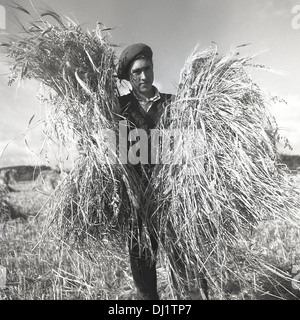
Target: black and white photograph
150 150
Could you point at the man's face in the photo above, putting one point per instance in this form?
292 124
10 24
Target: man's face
141 76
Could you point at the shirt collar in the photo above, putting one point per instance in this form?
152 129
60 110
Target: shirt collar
141 98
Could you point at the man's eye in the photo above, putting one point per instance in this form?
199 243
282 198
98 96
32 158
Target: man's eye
138 71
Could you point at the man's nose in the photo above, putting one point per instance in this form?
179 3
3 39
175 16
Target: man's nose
143 75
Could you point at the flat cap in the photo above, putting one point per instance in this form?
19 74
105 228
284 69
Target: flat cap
128 55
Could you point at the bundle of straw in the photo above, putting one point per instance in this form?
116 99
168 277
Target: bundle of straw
209 202
78 69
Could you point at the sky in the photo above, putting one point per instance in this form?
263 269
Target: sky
173 28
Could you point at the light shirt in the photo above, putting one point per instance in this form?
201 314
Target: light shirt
144 101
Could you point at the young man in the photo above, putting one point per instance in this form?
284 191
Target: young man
142 107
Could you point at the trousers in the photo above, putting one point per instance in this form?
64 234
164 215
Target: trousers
143 263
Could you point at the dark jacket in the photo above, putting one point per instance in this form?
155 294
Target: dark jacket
131 110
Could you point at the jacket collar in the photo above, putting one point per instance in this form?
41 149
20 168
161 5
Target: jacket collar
142 99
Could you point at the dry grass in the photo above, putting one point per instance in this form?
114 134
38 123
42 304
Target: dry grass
209 204
77 68
50 269
47 270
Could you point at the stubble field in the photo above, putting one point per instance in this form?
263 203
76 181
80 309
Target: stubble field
50 269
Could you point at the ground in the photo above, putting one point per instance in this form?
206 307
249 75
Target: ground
50 269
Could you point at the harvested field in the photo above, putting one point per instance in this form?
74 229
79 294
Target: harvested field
53 270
